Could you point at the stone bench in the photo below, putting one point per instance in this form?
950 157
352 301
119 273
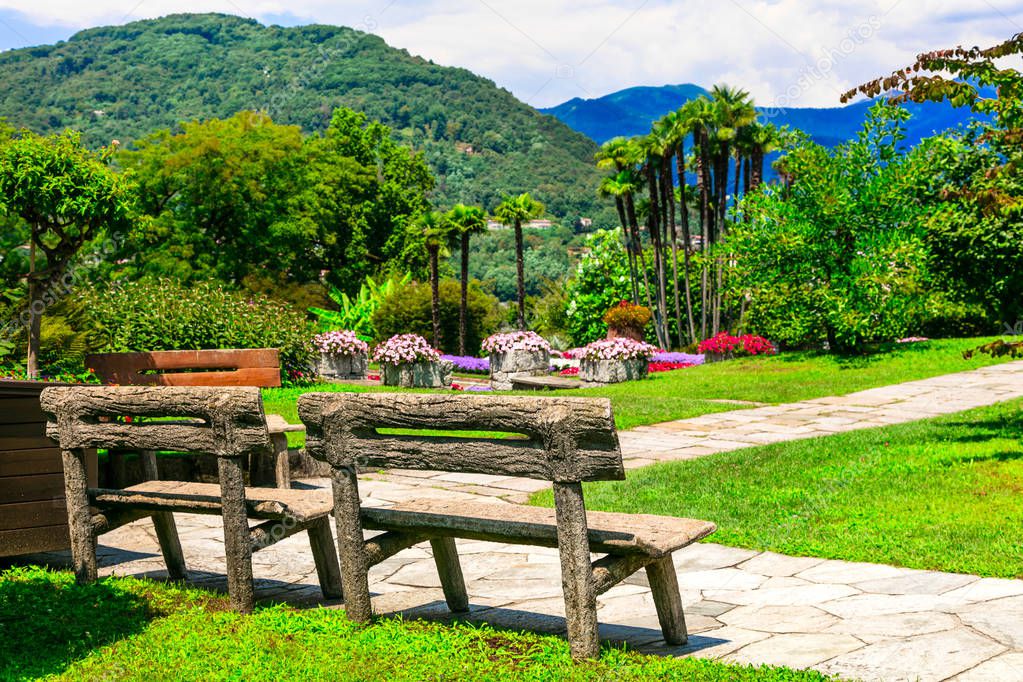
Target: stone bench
226 422
562 440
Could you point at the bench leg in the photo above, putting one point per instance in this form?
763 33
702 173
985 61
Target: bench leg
576 571
282 470
76 494
166 529
668 600
351 545
237 543
445 554
328 570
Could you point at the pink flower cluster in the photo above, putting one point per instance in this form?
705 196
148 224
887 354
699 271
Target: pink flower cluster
527 341
340 343
620 348
404 348
747 344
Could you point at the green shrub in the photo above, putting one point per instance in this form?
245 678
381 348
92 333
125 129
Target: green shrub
406 310
151 315
601 281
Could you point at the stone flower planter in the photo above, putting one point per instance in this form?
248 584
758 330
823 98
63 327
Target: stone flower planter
613 371
514 363
636 334
338 366
719 357
423 374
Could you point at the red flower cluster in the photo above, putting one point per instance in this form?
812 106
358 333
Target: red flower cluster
747 344
668 366
569 372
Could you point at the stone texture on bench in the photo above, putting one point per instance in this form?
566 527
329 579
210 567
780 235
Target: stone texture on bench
608 532
178 496
544 383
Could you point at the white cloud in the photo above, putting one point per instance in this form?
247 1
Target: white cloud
546 51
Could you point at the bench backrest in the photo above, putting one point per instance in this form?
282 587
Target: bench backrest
228 422
232 367
560 439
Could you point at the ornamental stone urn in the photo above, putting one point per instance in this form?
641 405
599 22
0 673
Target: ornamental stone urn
516 363
422 374
600 372
634 333
343 366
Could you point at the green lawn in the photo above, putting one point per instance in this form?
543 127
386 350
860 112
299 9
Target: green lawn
129 629
783 378
943 494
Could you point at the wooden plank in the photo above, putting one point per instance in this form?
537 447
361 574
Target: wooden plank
269 377
239 367
544 383
26 443
567 439
30 462
31 540
232 418
23 430
19 410
31 488
51 512
608 532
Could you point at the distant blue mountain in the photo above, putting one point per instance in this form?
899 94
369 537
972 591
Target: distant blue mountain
630 112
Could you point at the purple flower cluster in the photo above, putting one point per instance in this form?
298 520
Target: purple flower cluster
528 341
403 348
340 343
686 358
620 348
469 364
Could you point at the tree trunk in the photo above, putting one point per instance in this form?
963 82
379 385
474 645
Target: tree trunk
34 317
630 208
680 160
668 190
706 226
738 178
655 239
757 168
521 271
746 183
435 289
721 185
463 307
633 275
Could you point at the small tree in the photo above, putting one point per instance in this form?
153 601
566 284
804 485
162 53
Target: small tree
465 221
514 211
67 194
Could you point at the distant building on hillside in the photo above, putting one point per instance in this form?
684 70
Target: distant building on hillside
542 224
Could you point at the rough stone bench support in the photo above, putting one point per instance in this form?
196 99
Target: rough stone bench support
563 440
226 422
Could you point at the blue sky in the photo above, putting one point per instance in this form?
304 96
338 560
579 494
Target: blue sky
789 52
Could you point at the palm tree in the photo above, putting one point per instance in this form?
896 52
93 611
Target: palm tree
619 186
699 117
465 221
433 230
514 211
675 128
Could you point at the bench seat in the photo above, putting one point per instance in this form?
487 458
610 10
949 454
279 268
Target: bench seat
205 498
608 532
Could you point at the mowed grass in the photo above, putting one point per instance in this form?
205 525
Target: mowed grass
784 378
943 494
129 629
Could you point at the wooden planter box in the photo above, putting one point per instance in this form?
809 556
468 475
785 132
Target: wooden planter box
33 516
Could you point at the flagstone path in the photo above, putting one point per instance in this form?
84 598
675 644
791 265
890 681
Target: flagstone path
853 620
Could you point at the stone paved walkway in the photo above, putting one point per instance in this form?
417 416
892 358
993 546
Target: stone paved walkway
857 621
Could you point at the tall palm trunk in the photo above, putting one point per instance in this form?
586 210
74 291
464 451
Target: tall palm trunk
34 315
746 165
655 240
757 167
629 250
721 186
680 161
668 192
630 209
520 268
463 306
435 292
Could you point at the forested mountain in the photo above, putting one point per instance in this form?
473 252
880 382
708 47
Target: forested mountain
124 82
631 111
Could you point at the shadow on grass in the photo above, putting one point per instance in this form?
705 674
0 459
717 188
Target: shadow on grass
47 621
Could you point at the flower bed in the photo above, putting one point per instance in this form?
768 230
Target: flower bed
409 361
515 354
613 361
343 355
689 359
468 364
725 346
667 366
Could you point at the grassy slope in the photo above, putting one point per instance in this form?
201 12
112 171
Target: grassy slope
942 494
130 629
784 378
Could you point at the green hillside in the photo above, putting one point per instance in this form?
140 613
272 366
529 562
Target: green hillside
122 82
